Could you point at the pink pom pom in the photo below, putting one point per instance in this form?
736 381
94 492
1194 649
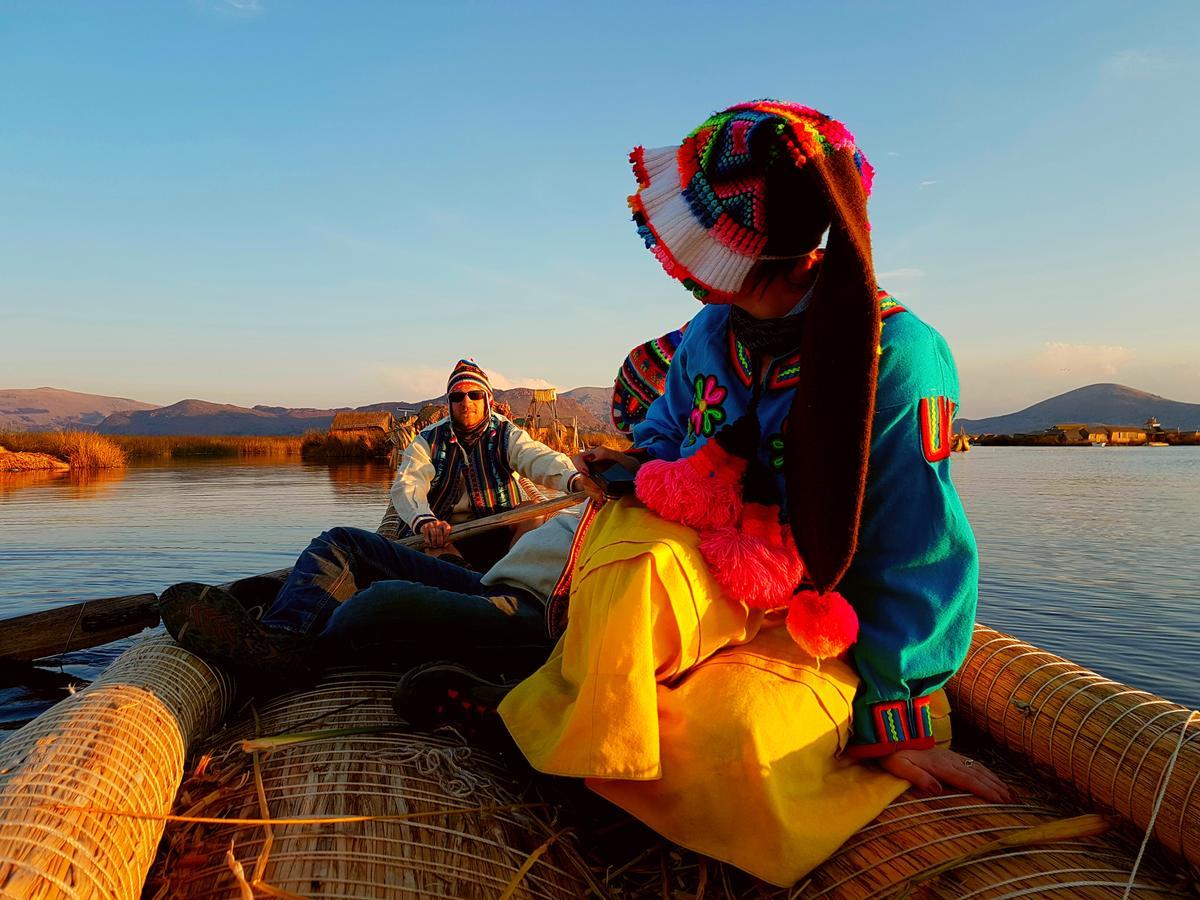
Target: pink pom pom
702 491
824 625
746 568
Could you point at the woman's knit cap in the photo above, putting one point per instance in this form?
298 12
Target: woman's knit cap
467 372
703 209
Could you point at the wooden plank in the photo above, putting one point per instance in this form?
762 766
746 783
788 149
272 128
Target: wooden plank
95 622
77 626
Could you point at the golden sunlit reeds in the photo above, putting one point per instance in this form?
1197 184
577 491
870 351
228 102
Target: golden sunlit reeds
207 446
318 445
79 449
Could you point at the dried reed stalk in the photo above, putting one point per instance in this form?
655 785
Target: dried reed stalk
1111 742
121 743
356 760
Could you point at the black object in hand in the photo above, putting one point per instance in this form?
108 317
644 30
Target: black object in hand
614 478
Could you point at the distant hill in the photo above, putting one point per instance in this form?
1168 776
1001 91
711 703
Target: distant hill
596 400
571 404
202 417
48 409
1096 404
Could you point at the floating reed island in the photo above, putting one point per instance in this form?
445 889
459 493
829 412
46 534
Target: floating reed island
148 782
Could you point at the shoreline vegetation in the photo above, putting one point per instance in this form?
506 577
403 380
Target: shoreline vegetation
60 451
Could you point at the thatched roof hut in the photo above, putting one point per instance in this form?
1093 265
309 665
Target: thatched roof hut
347 423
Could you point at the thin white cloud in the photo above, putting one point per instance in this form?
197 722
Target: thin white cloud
412 383
241 9
502 382
1136 62
928 183
901 274
1082 361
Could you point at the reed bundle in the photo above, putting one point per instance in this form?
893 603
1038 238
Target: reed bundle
1125 750
958 846
119 743
431 817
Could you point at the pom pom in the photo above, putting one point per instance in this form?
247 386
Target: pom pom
702 491
757 572
824 625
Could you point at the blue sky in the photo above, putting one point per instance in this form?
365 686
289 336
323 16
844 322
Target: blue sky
328 203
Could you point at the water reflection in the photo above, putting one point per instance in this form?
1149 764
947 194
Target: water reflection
360 479
73 485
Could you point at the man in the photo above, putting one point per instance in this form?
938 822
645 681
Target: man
456 469
464 466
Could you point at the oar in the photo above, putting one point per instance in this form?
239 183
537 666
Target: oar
95 622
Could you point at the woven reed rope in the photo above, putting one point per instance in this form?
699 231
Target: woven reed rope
119 743
1113 743
394 773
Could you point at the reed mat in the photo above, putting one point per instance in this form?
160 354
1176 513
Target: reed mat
1126 751
387 812
120 743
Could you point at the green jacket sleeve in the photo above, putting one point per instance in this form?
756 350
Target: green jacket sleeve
914 577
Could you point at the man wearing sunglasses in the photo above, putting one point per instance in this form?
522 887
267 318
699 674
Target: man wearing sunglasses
465 466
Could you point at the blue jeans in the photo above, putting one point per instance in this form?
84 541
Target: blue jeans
373 602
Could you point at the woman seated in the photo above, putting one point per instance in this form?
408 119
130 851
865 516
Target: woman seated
754 646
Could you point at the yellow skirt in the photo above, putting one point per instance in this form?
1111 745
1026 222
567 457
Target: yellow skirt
696 715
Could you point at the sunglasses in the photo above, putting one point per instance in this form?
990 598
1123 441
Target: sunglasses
459 396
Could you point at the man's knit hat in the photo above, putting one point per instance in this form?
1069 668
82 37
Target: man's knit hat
466 374
704 208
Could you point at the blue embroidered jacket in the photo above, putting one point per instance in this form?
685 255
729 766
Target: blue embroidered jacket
913 579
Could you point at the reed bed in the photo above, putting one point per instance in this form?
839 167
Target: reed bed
82 450
117 745
432 817
207 446
317 445
1125 750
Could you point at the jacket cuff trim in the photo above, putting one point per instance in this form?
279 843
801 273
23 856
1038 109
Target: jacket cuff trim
898 725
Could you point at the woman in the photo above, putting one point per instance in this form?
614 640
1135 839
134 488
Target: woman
710 679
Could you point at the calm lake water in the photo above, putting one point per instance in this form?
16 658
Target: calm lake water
1090 553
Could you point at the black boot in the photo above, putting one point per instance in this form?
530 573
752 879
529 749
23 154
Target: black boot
447 694
213 623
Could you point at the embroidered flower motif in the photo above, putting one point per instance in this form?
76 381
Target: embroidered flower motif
707 412
775 451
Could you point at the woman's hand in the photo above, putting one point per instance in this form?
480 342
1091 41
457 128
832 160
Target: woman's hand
929 770
599 456
603 456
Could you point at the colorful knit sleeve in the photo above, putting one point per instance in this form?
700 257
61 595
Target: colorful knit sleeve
660 434
410 490
914 578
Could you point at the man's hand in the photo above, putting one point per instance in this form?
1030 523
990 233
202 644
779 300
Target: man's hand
599 455
436 534
929 770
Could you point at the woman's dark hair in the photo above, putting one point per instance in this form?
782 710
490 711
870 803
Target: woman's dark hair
797 216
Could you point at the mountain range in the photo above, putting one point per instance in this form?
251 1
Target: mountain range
42 409
46 409
1095 404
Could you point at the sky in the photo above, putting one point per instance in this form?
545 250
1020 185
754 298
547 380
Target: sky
327 204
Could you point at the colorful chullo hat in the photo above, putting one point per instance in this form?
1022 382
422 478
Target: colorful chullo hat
467 374
703 209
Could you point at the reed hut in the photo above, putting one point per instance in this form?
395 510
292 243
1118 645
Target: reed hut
374 425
